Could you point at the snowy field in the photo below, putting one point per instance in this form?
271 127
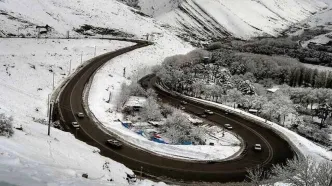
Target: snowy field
31 157
27 67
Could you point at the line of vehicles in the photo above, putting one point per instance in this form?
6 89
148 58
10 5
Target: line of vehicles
113 142
257 147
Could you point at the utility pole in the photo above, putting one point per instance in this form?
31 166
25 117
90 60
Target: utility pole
124 72
49 118
69 68
81 58
76 132
53 80
48 103
141 171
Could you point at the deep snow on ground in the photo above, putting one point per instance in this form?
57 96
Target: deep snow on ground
31 157
240 18
26 68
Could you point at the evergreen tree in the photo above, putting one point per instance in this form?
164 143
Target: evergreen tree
329 80
307 77
320 80
313 77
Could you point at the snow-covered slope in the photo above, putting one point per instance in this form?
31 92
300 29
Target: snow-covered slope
321 20
240 18
22 16
30 157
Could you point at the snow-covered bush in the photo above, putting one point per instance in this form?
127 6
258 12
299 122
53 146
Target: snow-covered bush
296 172
151 110
6 126
214 46
167 110
304 172
178 129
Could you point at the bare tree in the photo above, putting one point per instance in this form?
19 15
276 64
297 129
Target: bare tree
6 126
151 110
257 175
122 97
305 172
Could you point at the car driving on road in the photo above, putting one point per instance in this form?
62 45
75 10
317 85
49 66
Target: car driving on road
80 115
184 102
202 115
75 124
258 147
228 126
208 111
114 143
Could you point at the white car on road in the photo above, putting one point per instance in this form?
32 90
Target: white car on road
80 115
228 126
75 124
208 111
258 147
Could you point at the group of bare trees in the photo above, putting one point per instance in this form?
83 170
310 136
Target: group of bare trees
296 172
179 130
133 89
177 127
242 79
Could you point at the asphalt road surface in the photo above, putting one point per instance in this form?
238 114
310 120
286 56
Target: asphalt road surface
275 149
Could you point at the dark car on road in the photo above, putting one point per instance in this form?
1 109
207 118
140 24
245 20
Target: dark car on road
114 143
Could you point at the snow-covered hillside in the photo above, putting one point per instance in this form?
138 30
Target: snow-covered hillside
26 81
240 18
31 157
321 21
22 16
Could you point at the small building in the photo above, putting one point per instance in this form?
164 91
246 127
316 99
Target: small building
272 90
135 103
155 123
127 124
253 111
195 121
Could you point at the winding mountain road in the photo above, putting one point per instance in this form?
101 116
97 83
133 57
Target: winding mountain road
275 149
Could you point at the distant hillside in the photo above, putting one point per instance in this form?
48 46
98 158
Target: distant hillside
239 18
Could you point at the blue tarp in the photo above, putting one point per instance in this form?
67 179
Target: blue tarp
186 143
158 140
126 125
